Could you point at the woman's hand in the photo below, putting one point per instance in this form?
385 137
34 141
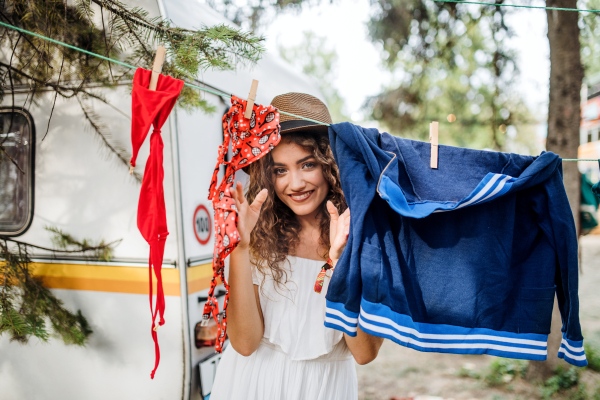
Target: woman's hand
339 229
247 213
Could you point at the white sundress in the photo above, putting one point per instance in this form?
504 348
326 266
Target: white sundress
298 357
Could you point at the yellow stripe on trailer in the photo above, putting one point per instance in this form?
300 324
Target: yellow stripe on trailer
101 278
198 277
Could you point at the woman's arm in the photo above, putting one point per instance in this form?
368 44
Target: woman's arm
244 316
364 347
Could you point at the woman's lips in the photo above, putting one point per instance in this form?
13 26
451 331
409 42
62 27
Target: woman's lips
299 198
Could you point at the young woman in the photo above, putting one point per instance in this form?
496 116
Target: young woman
289 226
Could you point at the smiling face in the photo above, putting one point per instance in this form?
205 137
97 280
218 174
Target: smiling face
298 178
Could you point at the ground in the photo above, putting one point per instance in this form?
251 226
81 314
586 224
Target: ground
402 373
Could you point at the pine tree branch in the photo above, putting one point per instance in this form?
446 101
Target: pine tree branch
11 159
86 249
20 34
99 128
37 303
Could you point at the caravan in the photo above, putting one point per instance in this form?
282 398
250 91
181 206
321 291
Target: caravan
72 182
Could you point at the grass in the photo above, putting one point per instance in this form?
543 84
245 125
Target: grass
592 354
504 370
562 381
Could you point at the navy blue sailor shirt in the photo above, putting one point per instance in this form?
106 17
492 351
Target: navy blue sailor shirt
465 258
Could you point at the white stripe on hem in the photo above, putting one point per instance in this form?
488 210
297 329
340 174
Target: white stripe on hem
572 356
420 335
406 339
341 315
572 348
340 323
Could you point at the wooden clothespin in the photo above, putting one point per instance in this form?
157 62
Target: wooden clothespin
251 99
157 67
433 139
159 59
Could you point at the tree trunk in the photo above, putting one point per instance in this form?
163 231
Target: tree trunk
564 113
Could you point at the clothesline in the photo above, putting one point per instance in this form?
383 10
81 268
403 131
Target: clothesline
517 5
203 88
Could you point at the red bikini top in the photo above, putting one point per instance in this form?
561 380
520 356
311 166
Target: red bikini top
250 140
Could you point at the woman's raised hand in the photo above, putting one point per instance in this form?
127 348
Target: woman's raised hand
339 229
247 213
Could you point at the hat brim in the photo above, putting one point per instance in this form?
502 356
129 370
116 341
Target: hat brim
301 125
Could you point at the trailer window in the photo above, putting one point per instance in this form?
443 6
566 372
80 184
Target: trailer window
17 138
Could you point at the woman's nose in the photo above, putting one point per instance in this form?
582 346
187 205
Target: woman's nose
297 182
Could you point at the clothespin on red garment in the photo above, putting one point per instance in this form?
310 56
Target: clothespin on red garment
159 59
251 99
433 139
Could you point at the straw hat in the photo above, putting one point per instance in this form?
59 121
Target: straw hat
303 105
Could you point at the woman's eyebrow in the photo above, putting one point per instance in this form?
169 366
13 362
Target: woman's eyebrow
305 159
297 162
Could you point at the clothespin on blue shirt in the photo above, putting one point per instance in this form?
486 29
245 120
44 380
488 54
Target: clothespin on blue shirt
433 139
251 99
596 187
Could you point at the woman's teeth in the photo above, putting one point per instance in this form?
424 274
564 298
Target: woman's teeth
301 197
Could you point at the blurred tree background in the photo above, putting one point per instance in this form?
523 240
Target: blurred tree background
451 66
318 61
449 63
590 32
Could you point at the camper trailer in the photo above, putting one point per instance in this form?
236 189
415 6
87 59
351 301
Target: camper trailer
74 183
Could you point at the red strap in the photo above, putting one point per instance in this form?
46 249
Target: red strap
250 140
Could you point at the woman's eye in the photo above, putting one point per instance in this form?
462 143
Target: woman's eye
279 171
309 165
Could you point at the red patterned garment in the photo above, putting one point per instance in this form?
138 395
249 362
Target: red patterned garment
152 107
250 140
321 277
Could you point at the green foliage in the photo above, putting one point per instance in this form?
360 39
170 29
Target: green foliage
561 381
596 395
450 63
318 61
64 241
112 29
592 354
580 393
27 308
467 371
504 370
190 100
589 24
252 13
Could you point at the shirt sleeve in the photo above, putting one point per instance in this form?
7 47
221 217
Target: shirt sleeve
255 275
556 220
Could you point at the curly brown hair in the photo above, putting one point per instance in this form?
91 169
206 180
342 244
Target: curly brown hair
277 230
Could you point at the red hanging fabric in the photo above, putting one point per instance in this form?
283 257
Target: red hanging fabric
250 140
152 107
